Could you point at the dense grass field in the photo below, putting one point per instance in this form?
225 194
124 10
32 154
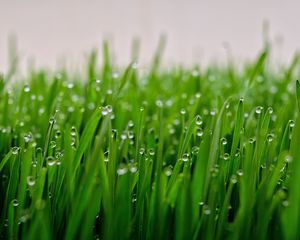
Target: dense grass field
126 153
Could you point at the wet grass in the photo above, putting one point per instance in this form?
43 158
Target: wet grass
199 153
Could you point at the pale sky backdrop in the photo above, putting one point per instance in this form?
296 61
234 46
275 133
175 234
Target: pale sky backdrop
196 30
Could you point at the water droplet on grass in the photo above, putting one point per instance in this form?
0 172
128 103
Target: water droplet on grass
123 136
233 179
50 161
270 137
270 110
133 168
114 133
73 131
142 151
185 157
122 169
130 134
206 210
70 85
168 170
15 150
226 156
30 181
15 202
199 132
151 151
159 103
130 124
26 89
109 108
223 141
104 111
27 137
288 158
182 111
52 144
259 109
195 150
240 172
57 134
213 112
199 120
285 203
292 123
52 120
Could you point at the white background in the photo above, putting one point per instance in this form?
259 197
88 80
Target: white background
196 30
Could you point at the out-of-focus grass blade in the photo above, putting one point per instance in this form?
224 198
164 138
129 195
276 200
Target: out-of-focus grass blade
290 215
5 159
259 66
298 94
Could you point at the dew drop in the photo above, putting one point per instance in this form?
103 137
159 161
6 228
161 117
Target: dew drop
213 112
122 169
52 120
198 95
142 151
15 202
15 150
288 158
195 150
259 109
168 170
57 134
70 85
30 181
226 156
270 110
26 89
52 144
27 138
159 103
206 210
114 133
104 111
199 120
240 172
73 131
123 136
182 111
270 137
223 141
285 203
50 161
292 123
199 132
185 157
151 151
109 108
233 179
133 169
130 134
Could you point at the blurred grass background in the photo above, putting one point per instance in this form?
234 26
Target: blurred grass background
197 31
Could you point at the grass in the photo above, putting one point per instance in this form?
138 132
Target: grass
199 153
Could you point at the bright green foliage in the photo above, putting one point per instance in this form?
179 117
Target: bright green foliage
132 153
